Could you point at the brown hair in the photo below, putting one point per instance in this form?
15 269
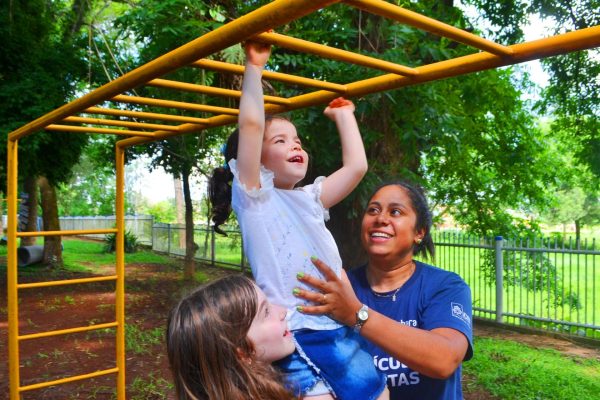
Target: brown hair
209 353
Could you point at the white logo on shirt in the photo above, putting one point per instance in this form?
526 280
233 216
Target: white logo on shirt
458 312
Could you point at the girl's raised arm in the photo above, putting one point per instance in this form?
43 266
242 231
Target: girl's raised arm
251 120
354 160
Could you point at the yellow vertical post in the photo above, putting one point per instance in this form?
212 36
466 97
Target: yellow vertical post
120 270
11 233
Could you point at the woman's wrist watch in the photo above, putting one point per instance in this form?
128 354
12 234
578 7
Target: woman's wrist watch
362 316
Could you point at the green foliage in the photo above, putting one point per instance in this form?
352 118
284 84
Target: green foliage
90 191
131 243
41 63
573 95
510 370
162 211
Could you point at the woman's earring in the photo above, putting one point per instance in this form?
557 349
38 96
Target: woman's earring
418 241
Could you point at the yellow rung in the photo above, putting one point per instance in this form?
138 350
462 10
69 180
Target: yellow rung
112 122
146 115
189 87
335 54
175 104
67 331
270 75
66 282
67 233
82 129
431 25
67 380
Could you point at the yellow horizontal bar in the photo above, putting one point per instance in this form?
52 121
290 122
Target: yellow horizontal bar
175 104
431 25
67 233
83 129
547 47
270 75
66 282
68 331
112 122
334 54
189 87
269 16
67 380
144 115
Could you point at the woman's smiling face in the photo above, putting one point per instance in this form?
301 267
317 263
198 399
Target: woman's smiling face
388 225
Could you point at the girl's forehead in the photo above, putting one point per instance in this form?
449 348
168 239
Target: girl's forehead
279 126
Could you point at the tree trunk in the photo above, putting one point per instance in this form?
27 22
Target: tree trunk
52 244
31 188
190 247
578 234
179 208
346 232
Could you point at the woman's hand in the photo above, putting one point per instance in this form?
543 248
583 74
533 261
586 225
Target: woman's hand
334 296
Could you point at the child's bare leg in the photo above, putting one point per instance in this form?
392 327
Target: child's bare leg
385 395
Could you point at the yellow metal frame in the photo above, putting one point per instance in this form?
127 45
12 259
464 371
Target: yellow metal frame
487 55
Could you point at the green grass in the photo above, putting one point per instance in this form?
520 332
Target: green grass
85 256
151 387
510 370
140 341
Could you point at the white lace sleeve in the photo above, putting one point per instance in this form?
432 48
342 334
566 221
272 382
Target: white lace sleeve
266 180
314 190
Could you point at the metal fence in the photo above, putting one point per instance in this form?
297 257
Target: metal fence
214 249
545 283
139 225
542 283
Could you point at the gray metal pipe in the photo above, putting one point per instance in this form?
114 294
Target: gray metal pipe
27 255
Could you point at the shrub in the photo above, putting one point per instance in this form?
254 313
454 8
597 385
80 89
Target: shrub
131 242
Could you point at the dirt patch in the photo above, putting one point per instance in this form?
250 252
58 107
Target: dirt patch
151 290
564 345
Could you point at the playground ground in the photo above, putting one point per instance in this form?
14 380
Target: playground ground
151 290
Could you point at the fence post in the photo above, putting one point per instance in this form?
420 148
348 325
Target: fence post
169 239
499 263
243 260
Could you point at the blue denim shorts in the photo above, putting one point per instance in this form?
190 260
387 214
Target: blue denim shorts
338 359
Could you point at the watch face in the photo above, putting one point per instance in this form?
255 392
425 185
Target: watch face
363 315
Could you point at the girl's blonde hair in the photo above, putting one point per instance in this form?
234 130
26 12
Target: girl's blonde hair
209 353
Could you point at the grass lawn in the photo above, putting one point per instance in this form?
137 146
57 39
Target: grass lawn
511 370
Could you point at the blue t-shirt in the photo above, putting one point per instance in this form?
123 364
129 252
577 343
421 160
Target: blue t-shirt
431 298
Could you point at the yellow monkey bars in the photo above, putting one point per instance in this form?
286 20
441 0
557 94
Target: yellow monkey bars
142 129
